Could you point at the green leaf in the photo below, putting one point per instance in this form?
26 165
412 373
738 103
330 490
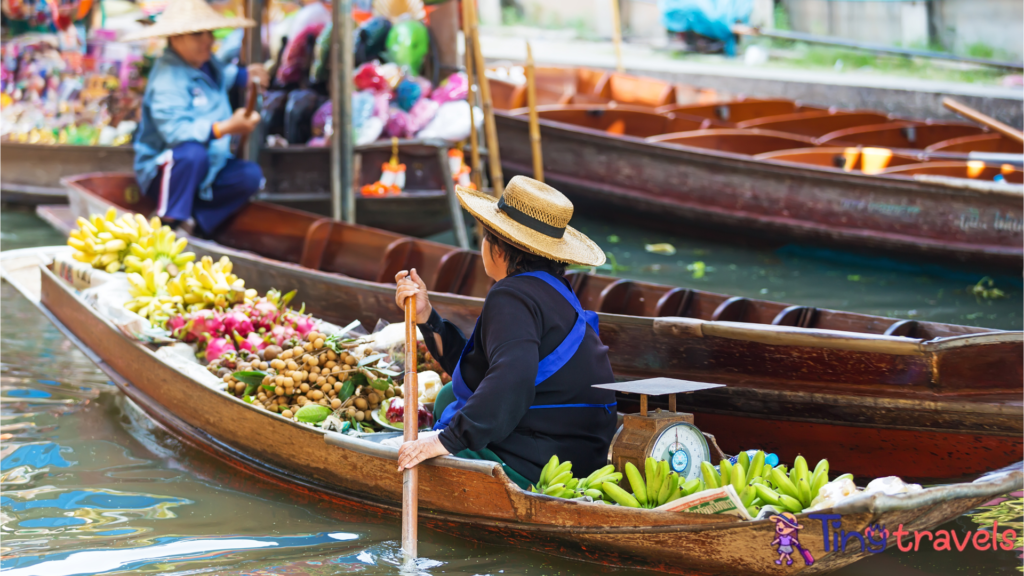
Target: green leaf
385 371
347 389
381 384
268 387
313 413
370 359
358 379
247 399
287 298
252 379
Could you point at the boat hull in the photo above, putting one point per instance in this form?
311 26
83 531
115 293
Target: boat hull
296 177
457 496
723 193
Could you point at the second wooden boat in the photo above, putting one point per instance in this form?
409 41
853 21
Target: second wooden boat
923 399
468 498
747 166
298 177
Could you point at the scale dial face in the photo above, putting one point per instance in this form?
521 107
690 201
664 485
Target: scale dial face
684 447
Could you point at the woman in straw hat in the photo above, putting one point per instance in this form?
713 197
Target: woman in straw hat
183 154
521 383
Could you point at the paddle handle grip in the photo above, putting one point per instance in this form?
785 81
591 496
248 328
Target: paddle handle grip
250 106
410 484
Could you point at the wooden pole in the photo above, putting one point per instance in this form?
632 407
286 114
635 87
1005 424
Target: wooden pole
250 106
411 424
531 97
343 202
493 156
983 119
474 139
250 149
617 35
458 223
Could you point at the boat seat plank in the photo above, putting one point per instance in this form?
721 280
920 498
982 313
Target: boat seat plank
452 270
675 302
800 316
734 310
830 157
905 328
317 237
955 169
735 112
639 91
737 141
904 134
978 143
815 124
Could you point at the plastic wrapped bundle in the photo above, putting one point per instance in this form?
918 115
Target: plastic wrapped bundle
455 87
422 112
320 118
298 115
406 94
399 124
451 122
368 77
295 62
320 70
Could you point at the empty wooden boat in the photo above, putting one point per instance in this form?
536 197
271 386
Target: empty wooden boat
468 498
742 165
900 391
298 176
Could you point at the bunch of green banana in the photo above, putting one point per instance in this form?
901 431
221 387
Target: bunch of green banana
157 243
209 284
96 244
149 294
660 487
556 479
593 485
797 490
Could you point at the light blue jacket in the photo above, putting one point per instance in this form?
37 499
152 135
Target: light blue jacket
181 104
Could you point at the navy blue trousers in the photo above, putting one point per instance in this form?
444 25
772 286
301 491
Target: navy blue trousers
176 187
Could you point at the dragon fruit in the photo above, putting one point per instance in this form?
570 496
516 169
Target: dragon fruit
177 325
301 323
237 322
217 347
253 342
396 413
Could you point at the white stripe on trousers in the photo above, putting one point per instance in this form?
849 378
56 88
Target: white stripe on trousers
166 163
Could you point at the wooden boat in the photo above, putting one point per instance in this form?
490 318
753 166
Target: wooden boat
471 499
895 392
298 177
747 166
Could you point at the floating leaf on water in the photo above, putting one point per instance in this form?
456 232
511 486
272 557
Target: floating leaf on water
663 248
853 277
613 239
986 289
698 268
612 265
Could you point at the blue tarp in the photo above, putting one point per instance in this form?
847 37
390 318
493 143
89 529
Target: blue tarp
710 18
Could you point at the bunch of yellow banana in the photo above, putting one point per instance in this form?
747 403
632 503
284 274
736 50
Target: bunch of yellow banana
157 243
149 294
758 483
209 284
96 243
660 487
556 480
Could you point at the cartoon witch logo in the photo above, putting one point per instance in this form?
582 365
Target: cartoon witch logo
786 531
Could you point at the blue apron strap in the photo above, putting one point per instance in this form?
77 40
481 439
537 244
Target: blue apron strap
590 317
607 407
459 387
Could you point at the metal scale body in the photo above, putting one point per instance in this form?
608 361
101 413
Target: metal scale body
662 435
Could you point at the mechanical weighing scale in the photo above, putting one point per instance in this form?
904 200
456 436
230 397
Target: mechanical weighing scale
662 435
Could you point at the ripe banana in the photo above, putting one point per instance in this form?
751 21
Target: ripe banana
636 482
149 295
619 495
208 285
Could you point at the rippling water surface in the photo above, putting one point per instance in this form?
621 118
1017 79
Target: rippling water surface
91 485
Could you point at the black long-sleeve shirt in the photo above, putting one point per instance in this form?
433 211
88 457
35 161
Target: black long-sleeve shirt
523 320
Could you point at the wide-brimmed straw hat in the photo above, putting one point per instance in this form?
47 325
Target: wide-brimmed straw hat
534 217
188 17
788 519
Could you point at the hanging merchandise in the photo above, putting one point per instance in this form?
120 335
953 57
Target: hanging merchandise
392 177
371 39
461 171
298 115
407 93
298 57
407 45
320 71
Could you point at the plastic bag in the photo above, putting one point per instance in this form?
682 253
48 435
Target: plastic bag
455 87
370 131
369 77
407 94
451 122
297 58
422 113
399 124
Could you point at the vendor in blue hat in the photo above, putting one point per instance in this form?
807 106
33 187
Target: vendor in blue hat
183 156
522 382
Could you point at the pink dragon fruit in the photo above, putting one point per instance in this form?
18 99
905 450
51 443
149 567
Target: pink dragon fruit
204 324
236 321
253 342
178 325
280 334
217 347
302 323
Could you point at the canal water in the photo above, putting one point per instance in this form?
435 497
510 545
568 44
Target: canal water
91 485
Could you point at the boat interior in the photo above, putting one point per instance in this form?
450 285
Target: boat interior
773 130
319 243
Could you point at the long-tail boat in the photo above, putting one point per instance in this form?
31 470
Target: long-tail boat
771 168
919 399
298 177
469 498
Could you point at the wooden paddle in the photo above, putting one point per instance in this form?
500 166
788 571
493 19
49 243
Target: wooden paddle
250 106
410 488
968 112
531 98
